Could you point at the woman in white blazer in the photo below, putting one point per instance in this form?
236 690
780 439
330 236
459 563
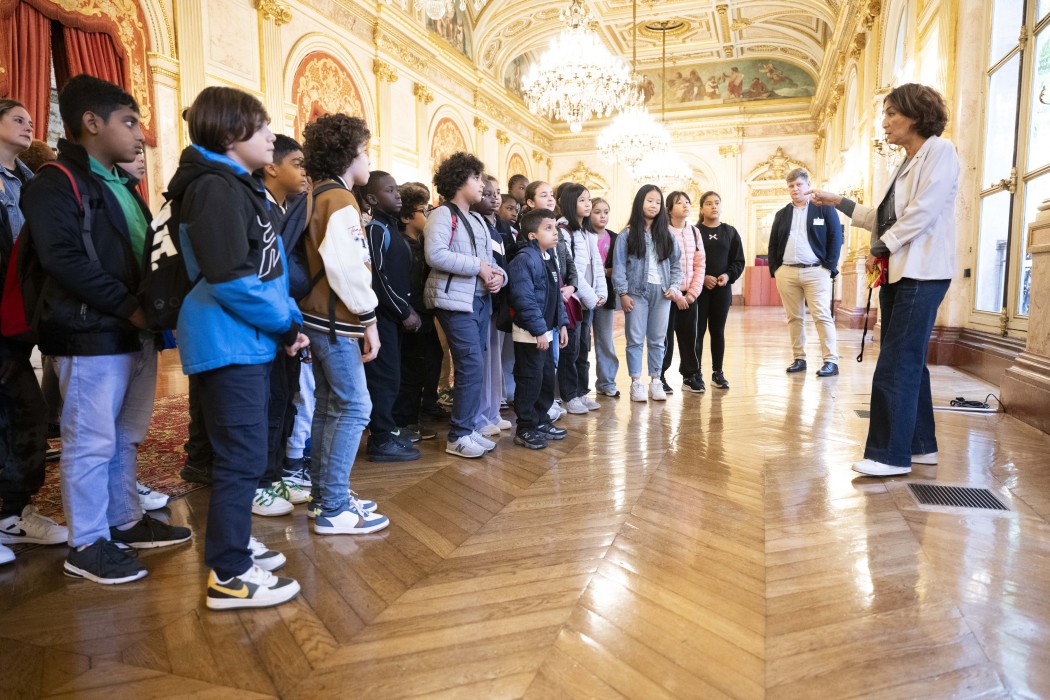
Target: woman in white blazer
914 227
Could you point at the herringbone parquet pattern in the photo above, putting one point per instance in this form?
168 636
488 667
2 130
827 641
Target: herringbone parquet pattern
711 546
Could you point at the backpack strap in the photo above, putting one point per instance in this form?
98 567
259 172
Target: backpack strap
84 203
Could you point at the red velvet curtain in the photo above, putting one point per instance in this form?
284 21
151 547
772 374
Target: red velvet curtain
94 53
27 60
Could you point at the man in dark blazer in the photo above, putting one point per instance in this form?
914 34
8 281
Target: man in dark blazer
804 246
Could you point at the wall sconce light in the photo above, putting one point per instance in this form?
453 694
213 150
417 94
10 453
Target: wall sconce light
879 147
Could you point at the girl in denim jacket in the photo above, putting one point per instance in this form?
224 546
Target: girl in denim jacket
647 274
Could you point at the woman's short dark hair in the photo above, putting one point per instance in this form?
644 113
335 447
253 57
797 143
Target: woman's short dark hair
222 116
86 93
331 143
923 104
454 172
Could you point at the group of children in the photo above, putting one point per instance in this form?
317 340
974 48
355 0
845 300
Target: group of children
315 284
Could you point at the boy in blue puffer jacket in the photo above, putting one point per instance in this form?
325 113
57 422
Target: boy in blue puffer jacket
538 312
230 326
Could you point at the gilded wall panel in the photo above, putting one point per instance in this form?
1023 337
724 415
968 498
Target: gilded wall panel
446 140
322 85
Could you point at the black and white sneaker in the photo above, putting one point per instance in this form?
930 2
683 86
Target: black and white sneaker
694 384
532 439
149 533
719 379
264 557
104 562
551 432
255 588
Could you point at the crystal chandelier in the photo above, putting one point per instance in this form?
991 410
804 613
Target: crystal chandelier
665 169
632 134
577 78
437 9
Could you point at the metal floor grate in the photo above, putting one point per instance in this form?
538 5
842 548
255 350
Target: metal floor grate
957 496
863 413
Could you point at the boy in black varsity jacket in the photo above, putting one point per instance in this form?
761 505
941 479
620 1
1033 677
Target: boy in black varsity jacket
391 266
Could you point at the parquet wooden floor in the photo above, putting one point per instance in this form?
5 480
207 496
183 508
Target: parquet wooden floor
711 546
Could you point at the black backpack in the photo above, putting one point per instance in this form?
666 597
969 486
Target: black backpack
296 221
165 282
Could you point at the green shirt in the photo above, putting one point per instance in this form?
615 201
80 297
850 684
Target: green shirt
133 215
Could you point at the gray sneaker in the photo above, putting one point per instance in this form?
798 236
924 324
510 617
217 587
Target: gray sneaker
465 447
486 444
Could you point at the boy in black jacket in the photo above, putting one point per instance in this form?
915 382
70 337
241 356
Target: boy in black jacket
89 319
535 297
391 265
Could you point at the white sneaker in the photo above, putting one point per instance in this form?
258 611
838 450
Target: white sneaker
489 430
464 447
590 403
576 406
264 557
31 528
638 392
268 503
928 458
656 390
555 412
150 499
870 467
255 588
6 555
291 491
350 522
504 424
485 443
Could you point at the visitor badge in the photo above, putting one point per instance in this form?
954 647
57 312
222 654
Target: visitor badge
818 222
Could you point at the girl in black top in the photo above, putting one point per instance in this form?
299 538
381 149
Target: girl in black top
725 263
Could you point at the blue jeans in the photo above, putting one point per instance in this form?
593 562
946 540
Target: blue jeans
606 361
341 413
107 403
646 323
901 422
467 335
234 407
492 378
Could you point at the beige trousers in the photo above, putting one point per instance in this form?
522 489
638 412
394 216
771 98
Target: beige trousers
812 286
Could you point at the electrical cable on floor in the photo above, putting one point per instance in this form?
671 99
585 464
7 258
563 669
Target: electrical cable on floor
961 402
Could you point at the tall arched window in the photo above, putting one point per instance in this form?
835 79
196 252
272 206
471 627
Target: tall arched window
1015 170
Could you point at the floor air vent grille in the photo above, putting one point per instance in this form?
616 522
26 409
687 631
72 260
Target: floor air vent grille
956 496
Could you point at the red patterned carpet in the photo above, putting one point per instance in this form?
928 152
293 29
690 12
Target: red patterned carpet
160 457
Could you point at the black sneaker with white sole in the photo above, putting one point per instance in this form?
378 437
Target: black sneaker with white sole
149 533
104 562
255 588
694 384
532 439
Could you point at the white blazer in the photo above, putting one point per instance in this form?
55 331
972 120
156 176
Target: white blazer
922 241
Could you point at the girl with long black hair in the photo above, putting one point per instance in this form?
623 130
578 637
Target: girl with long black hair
647 273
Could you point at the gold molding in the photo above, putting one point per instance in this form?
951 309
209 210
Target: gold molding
860 42
278 11
740 24
422 93
537 157
481 125
550 162
384 71
729 151
503 137
872 12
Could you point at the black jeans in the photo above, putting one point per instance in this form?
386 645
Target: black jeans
234 401
682 323
23 437
421 355
712 312
198 447
583 355
284 382
568 373
534 384
383 375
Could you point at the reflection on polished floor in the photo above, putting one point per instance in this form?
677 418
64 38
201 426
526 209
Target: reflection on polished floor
713 545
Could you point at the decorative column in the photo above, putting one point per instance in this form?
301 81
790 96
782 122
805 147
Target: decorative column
385 75
191 37
481 127
503 138
423 99
1026 384
273 14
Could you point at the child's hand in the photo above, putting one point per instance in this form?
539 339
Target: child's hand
626 303
567 292
301 341
542 342
563 337
413 323
371 343
601 301
710 282
723 280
